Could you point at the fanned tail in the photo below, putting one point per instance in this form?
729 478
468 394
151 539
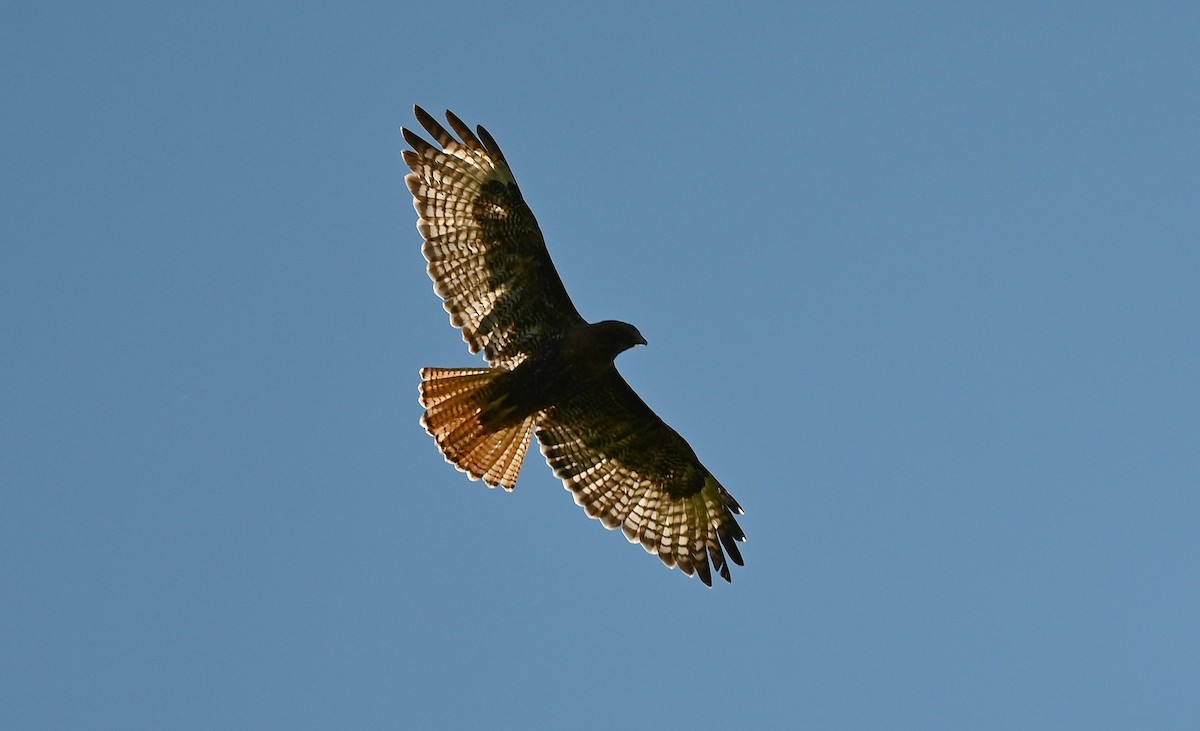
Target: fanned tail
453 399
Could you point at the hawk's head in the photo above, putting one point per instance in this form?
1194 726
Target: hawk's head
619 336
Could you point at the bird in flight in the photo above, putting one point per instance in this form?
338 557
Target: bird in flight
552 373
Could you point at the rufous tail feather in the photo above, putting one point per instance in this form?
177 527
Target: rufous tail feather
453 399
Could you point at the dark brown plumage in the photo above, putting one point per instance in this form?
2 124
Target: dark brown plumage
552 372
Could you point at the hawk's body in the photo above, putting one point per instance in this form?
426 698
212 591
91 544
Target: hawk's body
552 372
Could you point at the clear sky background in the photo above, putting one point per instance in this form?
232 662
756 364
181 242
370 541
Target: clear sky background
920 283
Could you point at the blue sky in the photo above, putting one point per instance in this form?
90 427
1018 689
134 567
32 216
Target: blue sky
920 287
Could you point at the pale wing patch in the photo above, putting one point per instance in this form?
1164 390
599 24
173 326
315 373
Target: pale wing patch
687 531
486 255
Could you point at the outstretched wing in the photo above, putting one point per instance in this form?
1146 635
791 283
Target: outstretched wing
486 254
626 467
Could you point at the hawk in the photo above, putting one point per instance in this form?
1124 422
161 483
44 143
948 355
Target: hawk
552 373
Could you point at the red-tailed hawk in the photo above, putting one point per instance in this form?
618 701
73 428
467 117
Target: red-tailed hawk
552 372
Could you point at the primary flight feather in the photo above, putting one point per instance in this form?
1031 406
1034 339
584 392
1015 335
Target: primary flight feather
552 373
